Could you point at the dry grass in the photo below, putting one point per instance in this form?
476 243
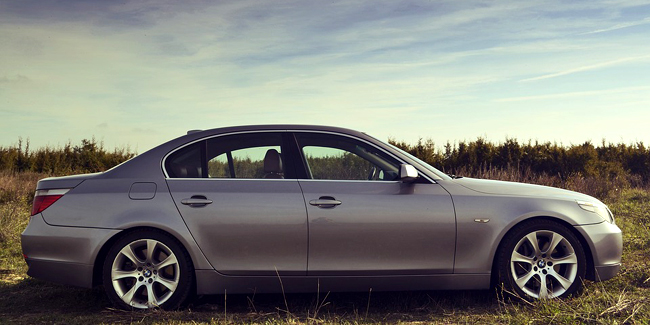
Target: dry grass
622 300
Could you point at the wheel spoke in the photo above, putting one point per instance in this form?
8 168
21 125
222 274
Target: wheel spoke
532 239
127 251
169 284
521 282
151 246
119 274
564 282
151 297
556 239
517 257
128 296
569 259
543 290
170 260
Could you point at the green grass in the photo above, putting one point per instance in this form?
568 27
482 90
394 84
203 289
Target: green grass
623 299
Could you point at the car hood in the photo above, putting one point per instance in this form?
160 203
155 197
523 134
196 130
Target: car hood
519 189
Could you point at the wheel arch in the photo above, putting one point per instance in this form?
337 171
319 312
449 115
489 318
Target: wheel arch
590 275
101 255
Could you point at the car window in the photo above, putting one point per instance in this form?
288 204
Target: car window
341 158
186 162
252 155
247 163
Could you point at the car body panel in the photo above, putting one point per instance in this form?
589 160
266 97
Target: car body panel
62 254
372 232
253 226
606 244
104 202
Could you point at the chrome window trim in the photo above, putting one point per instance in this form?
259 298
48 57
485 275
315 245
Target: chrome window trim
345 180
368 143
162 163
231 179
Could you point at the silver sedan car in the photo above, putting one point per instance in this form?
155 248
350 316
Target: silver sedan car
305 208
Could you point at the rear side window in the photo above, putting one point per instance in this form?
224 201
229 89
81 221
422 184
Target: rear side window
186 162
252 155
257 155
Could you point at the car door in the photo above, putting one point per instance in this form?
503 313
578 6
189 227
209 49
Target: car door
243 206
363 220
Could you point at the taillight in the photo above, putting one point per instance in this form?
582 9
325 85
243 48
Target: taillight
44 198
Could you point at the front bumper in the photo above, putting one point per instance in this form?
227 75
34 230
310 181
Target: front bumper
605 241
63 255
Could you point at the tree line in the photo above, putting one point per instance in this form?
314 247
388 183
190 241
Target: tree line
585 160
87 157
468 158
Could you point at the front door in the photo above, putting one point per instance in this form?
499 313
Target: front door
363 220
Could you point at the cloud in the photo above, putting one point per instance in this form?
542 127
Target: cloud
143 65
14 79
589 93
619 26
589 67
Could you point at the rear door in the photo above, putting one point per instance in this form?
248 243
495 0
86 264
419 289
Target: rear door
242 203
363 220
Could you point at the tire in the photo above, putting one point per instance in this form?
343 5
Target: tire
541 259
147 269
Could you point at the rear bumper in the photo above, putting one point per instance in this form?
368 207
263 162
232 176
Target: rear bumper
80 275
63 255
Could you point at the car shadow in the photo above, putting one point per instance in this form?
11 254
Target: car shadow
58 303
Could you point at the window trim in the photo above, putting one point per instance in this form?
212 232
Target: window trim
293 150
284 145
304 167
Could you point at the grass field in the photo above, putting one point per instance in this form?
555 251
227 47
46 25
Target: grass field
623 299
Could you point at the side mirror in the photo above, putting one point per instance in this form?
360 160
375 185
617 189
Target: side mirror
407 173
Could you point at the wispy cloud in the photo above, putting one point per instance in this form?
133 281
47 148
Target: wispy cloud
589 93
589 67
619 26
143 64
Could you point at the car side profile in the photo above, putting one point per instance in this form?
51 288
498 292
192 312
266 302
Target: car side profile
303 208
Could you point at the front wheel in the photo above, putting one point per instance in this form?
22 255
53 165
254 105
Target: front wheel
541 259
146 269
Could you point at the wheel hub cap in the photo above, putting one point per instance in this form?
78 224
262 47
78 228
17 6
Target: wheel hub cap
541 263
147 273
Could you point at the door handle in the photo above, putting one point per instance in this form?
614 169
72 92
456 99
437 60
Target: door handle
196 201
325 202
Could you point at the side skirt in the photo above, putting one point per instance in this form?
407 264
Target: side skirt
211 282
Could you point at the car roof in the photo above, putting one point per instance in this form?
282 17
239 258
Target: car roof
148 164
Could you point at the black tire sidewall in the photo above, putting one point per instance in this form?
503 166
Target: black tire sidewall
516 234
184 264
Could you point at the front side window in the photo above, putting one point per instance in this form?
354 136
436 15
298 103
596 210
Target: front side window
251 155
340 158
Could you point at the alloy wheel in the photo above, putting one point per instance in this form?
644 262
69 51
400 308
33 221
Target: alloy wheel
544 264
145 273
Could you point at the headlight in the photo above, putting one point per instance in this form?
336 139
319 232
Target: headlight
597 208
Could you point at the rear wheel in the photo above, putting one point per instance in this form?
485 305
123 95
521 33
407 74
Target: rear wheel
147 269
541 259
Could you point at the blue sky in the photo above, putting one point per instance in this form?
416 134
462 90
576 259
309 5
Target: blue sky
138 73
